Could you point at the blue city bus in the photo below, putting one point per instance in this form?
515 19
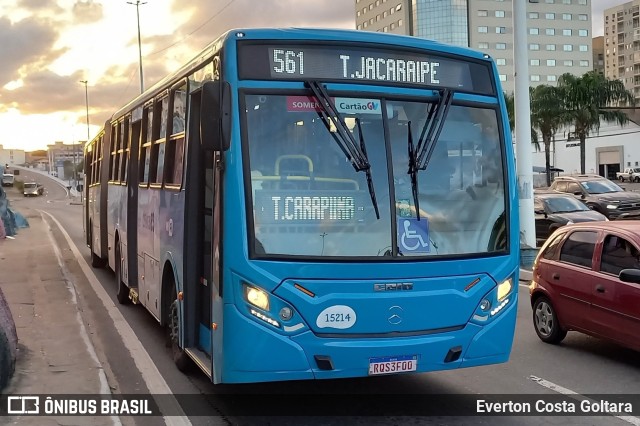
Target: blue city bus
298 204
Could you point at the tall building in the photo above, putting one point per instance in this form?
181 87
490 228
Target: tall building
622 45
559 31
389 16
598 54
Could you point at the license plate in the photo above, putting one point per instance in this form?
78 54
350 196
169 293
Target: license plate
392 364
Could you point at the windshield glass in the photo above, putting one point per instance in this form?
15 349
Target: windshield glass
601 186
564 205
30 185
308 200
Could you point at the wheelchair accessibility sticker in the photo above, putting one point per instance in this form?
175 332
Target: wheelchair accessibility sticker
413 235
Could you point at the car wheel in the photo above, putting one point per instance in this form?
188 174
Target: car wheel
545 321
636 179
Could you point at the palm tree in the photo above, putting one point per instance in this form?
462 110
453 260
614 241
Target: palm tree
510 100
585 100
547 116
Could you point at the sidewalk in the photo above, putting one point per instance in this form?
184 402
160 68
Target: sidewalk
55 355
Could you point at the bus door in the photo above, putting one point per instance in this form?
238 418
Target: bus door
205 251
201 289
132 202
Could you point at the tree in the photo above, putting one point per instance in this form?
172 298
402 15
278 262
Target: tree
509 99
585 100
80 167
547 115
67 167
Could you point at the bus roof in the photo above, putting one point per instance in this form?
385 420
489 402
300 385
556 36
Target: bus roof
299 34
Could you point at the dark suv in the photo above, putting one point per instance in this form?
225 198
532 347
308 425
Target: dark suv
601 195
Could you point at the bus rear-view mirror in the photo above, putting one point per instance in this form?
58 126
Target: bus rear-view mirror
215 116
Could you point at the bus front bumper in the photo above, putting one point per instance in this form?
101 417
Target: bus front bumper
256 353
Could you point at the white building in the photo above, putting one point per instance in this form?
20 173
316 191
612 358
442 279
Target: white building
11 156
608 151
559 31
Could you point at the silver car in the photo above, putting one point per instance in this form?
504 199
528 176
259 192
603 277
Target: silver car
32 189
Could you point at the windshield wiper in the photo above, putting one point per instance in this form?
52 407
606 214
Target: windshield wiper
420 156
355 153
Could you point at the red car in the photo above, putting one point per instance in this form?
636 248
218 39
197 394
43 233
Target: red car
586 278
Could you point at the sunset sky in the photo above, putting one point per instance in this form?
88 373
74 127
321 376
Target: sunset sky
48 46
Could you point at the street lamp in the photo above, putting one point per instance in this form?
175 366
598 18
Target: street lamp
137 4
86 102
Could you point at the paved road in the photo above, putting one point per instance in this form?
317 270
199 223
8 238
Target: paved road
581 364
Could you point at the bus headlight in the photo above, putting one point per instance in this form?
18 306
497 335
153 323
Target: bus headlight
257 297
494 302
504 288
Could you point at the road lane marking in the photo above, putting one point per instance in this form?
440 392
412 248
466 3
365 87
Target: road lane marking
104 384
150 374
579 397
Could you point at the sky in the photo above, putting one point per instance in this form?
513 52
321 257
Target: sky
48 47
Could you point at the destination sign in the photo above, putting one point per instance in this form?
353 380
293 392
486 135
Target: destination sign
381 65
297 207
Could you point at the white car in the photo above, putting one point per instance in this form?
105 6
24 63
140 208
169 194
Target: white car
7 179
32 189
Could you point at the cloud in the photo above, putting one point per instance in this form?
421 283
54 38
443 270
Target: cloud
87 12
205 23
45 92
31 41
46 6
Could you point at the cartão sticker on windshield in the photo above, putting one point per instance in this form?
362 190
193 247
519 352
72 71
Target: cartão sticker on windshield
358 106
337 316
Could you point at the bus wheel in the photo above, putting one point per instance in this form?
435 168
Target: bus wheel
180 358
96 261
123 290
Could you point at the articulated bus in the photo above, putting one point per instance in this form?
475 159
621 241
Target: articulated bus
314 204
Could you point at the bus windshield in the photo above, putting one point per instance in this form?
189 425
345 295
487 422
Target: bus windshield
308 200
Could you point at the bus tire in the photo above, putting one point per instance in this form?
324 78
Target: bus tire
180 357
123 291
96 261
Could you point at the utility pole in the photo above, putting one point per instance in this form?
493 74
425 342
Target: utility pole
524 163
137 4
86 102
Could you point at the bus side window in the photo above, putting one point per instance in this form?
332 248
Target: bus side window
124 146
160 143
174 153
113 155
145 150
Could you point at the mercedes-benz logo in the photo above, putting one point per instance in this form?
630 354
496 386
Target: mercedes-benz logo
395 315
